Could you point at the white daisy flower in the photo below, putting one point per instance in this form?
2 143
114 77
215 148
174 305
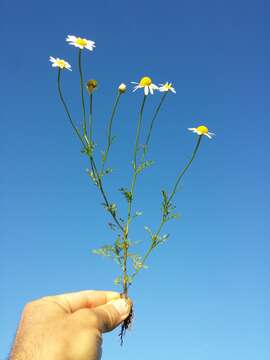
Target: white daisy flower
146 84
202 130
167 87
80 42
62 64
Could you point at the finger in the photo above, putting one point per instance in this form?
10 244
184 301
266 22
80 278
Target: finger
106 317
72 302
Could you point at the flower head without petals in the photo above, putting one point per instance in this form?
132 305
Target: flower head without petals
62 64
122 88
202 130
80 42
91 85
167 87
146 84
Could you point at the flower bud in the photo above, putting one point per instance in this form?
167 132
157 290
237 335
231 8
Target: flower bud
91 85
122 88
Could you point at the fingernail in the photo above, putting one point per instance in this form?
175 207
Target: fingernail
121 306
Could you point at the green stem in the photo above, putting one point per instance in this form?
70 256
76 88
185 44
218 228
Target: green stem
92 161
67 110
153 121
91 119
125 253
109 140
163 221
82 90
133 183
100 186
185 168
150 249
138 132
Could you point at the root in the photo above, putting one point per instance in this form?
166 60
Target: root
126 324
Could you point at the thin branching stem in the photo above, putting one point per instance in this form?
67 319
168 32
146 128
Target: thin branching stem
185 168
164 219
103 193
133 183
95 170
152 123
109 132
135 173
150 249
67 109
91 119
86 149
82 90
90 154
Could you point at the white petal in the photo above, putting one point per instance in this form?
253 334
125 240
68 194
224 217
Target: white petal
208 136
89 46
173 90
71 38
146 90
132 82
91 43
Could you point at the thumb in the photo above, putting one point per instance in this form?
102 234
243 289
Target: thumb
108 316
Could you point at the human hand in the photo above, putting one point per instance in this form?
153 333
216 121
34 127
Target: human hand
68 326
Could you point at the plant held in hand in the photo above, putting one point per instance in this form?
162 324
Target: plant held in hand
122 249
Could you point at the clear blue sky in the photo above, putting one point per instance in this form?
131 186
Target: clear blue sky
206 293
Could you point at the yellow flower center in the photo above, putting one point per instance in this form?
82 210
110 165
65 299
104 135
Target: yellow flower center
167 86
145 81
202 129
61 63
82 42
